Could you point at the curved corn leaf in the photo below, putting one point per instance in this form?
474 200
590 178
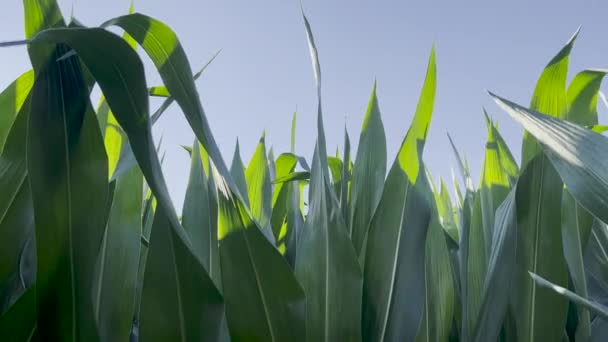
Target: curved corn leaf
293 176
67 169
447 213
501 264
11 100
129 103
115 287
327 265
598 309
264 302
394 291
578 154
576 221
272 168
369 171
172 310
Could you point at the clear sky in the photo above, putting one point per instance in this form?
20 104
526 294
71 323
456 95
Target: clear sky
264 73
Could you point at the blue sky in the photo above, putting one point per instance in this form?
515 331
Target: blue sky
264 73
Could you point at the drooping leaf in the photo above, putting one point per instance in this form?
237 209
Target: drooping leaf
369 171
110 58
67 169
394 290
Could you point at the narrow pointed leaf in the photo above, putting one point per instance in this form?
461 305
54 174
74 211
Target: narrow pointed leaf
369 171
394 290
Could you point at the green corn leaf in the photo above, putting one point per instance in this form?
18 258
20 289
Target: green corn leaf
175 286
335 169
577 153
293 176
282 206
439 307
446 213
598 309
67 169
549 95
237 171
596 263
507 161
19 322
40 15
346 179
259 189
199 216
116 284
462 168
16 212
494 185
164 49
264 302
576 221
326 264
11 100
272 168
539 312
394 290
501 264
129 103
369 171
476 266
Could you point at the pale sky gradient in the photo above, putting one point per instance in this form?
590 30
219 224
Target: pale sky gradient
264 73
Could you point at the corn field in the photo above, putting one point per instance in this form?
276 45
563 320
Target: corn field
336 248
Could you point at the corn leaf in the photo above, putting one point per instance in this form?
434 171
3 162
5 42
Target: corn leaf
67 169
19 322
439 307
175 285
501 264
369 171
237 171
199 215
11 101
327 265
116 284
264 302
394 288
259 189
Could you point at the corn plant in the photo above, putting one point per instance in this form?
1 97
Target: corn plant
344 248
